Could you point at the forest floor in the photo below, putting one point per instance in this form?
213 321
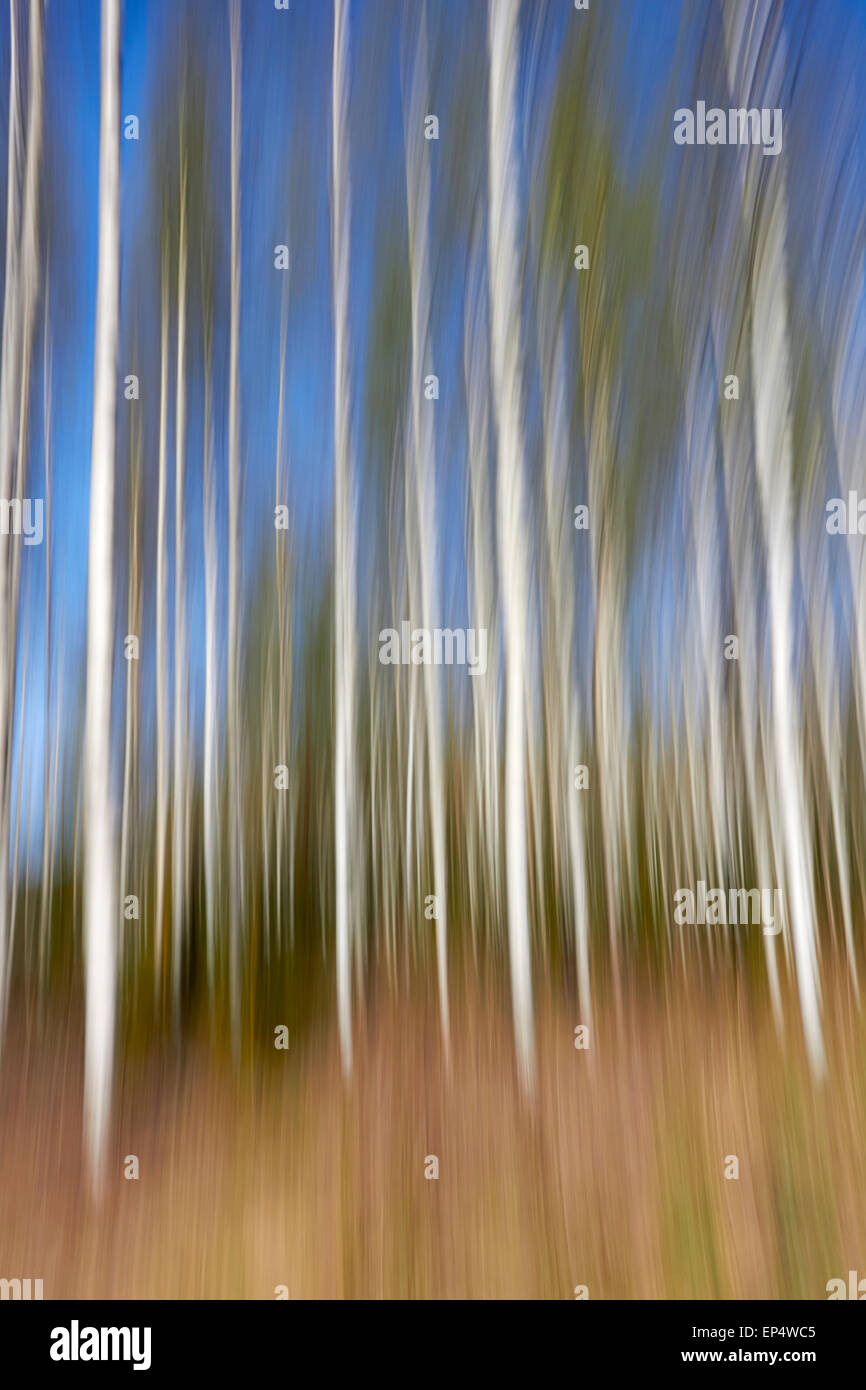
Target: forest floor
614 1178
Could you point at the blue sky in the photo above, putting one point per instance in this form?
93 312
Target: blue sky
285 165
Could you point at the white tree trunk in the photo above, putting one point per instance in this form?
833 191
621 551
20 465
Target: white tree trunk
284 652
511 502
130 739
744 32
232 691
344 533
178 813
424 470
45 915
744 545
161 637
100 860
563 712
706 565
211 813
482 577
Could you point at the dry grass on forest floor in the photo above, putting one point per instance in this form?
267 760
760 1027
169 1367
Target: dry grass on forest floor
614 1180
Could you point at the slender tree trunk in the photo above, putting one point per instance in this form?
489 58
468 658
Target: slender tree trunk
161 636
232 656
130 741
284 657
344 534
563 715
16 842
28 286
178 812
424 463
45 900
743 545
611 750
744 33
29 282
100 861
822 635
211 813
9 379
482 584
511 502
701 407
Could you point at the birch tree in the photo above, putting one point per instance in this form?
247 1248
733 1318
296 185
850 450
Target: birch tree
424 478
511 504
10 386
748 29
162 786
234 449
129 805
482 577
211 561
178 814
344 531
45 896
100 861
284 650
